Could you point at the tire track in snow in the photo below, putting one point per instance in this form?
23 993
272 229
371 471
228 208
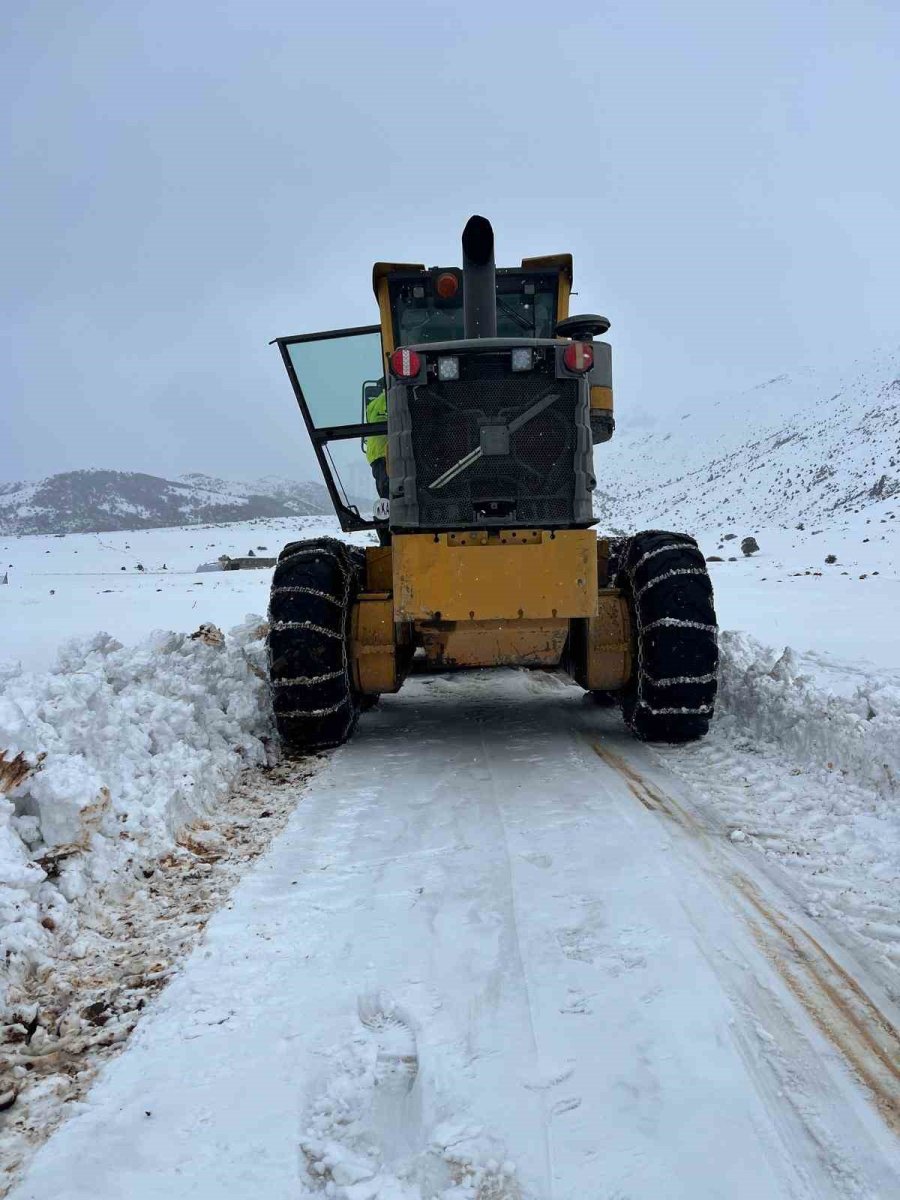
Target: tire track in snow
840 1008
837 1004
651 797
517 945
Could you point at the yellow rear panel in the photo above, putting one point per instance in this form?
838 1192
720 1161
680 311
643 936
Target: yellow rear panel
482 576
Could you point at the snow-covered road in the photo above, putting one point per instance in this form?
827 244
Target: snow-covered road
499 951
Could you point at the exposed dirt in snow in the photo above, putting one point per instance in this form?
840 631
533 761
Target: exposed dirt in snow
840 1007
79 1010
120 832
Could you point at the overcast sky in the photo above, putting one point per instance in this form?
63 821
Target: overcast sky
183 182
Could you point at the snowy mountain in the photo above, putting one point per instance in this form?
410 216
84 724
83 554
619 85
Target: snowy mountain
103 501
806 447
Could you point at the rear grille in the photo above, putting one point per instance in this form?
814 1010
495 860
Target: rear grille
533 484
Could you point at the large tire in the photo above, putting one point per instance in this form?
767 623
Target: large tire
313 590
671 694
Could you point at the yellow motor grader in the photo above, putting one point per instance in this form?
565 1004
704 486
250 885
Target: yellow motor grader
473 407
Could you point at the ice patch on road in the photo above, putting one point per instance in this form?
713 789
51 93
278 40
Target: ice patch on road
374 1131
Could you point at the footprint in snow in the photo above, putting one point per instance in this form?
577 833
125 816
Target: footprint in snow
394 1116
365 1134
577 1002
397 1060
539 860
544 1080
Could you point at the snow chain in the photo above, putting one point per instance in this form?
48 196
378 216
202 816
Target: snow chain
343 565
651 716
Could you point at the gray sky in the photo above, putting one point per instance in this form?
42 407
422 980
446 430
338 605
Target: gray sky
182 182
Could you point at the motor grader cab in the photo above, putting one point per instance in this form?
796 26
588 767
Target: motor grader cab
495 398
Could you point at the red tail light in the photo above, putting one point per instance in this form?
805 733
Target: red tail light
578 357
406 364
447 286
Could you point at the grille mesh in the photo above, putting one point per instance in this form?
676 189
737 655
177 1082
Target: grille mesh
534 483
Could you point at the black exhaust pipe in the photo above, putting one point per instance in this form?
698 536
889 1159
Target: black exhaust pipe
479 279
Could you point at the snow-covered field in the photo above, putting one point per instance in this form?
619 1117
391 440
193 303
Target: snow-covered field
787 595
73 586
499 951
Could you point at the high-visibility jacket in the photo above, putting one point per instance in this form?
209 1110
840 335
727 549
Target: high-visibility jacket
376 410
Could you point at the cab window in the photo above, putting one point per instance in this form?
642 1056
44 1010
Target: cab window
526 307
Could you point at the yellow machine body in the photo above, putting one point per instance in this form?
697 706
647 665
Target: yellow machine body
494 643
519 574
522 598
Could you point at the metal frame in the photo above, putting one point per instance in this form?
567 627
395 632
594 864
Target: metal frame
347 514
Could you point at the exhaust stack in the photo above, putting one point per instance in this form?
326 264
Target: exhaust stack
479 279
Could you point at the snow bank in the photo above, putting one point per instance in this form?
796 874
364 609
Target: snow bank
107 757
844 719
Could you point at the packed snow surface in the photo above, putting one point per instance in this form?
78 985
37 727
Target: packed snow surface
803 764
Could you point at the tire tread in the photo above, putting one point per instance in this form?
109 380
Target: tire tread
314 585
671 696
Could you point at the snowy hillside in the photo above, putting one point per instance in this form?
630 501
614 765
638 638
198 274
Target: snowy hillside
808 447
104 501
306 498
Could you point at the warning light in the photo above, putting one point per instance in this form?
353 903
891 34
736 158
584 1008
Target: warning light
447 285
